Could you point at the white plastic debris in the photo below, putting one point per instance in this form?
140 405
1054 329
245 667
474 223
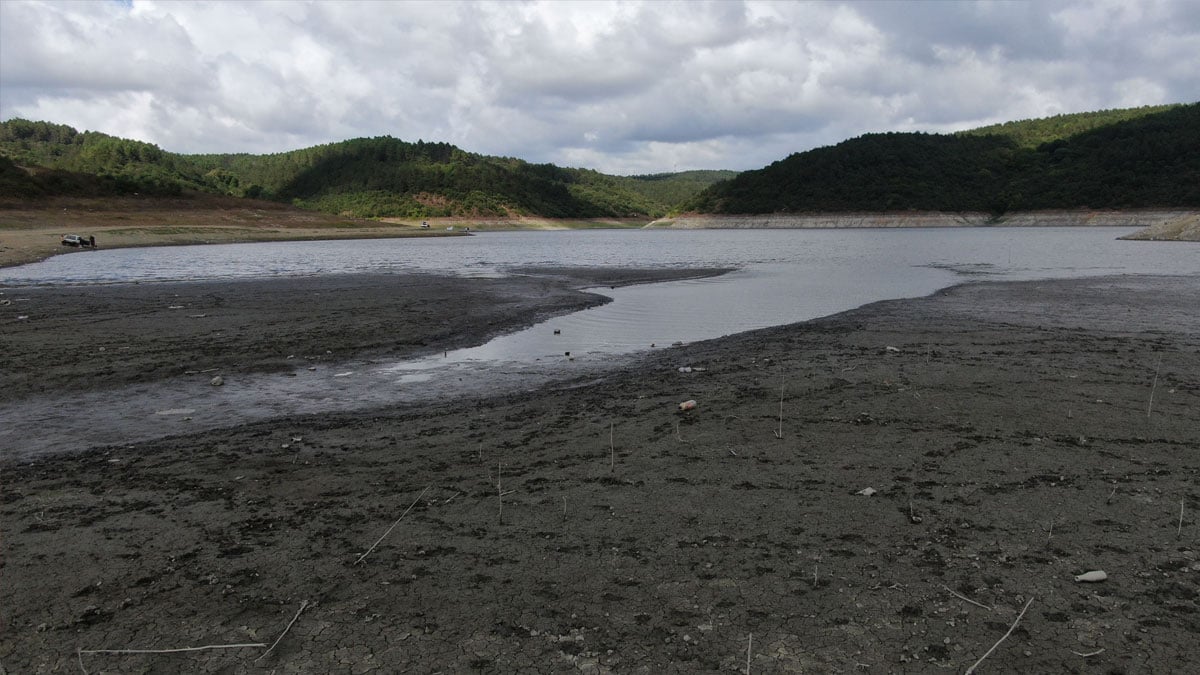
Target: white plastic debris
867 492
891 349
217 381
1092 577
685 369
687 405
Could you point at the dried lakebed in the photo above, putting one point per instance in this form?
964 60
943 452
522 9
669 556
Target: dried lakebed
1018 434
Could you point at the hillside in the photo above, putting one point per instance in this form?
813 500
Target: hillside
1144 161
364 177
1031 133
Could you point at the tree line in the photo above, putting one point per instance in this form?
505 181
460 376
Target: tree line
1147 159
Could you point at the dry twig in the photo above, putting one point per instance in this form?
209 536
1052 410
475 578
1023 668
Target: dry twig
303 604
1002 639
749 646
965 598
385 534
1150 405
80 652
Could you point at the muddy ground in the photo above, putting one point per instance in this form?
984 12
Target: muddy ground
1017 435
104 336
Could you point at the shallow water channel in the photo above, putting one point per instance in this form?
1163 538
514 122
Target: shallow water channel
781 277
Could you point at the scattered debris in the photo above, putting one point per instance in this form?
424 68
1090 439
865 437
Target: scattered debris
867 492
1091 577
687 405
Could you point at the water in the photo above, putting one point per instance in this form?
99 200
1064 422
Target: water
782 276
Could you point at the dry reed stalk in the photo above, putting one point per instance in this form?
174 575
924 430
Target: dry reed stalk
80 652
499 492
965 598
749 647
303 604
170 651
1002 638
385 534
779 432
1110 495
1150 405
612 450
1179 528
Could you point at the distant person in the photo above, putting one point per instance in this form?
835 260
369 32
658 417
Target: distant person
91 241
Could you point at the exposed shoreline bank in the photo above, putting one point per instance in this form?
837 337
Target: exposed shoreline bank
1016 433
1161 219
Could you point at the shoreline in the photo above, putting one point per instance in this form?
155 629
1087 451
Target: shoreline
1003 425
32 235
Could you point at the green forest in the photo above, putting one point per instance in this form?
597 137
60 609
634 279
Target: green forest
1142 157
364 177
1139 157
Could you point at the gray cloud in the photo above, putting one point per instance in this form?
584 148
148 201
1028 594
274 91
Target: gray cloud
634 87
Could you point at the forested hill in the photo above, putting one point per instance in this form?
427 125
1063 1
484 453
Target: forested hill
363 177
1138 158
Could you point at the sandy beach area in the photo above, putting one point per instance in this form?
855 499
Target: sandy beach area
891 489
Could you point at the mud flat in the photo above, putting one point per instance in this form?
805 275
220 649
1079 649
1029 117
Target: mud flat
1016 435
1145 218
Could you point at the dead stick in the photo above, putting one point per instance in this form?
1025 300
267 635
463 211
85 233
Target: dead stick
1098 651
1150 405
1002 639
170 651
499 493
303 604
612 450
385 534
1179 529
779 433
965 598
80 652
749 646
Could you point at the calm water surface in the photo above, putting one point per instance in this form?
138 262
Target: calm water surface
782 276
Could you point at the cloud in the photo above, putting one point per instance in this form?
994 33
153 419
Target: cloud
629 87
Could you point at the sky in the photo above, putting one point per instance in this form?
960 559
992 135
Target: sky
620 87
